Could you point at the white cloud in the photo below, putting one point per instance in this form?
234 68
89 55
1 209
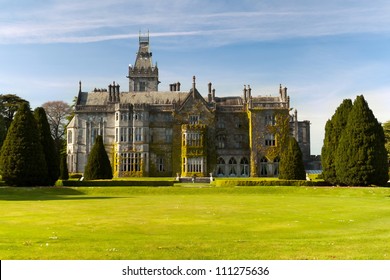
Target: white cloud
86 21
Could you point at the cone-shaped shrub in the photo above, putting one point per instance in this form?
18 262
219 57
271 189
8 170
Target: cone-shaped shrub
22 159
291 163
361 157
64 173
333 130
98 165
48 145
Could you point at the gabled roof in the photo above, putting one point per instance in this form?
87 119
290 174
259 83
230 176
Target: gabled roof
192 95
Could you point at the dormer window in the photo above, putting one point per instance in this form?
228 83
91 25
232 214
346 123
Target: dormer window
194 119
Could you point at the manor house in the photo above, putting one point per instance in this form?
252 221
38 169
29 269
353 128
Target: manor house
147 132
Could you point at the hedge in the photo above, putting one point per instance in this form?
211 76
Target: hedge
114 183
256 182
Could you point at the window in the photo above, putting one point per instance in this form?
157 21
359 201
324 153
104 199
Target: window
193 165
142 86
138 134
94 133
270 140
238 141
124 116
116 116
130 162
70 137
194 119
220 167
220 124
244 167
221 141
232 167
160 164
193 139
168 135
270 120
124 135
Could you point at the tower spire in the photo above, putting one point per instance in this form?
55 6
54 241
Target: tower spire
143 76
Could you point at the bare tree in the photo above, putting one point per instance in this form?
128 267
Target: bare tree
57 115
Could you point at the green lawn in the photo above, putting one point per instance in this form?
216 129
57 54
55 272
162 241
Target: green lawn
195 222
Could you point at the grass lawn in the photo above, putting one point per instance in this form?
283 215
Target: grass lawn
195 222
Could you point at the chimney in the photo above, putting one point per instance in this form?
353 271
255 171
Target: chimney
110 92
178 86
249 91
79 86
209 96
214 95
280 91
117 92
193 86
245 97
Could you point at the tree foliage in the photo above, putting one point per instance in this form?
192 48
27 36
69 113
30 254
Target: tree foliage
361 157
49 148
57 115
9 104
291 163
98 165
22 159
386 129
333 130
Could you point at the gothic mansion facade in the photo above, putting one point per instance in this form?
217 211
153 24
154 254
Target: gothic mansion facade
148 132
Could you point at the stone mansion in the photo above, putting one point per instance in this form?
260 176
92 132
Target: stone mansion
147 132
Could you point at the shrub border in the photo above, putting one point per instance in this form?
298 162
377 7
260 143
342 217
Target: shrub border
114 183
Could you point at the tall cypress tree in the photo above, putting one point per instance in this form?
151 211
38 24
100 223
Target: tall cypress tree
333 130
64 174
361 157
22 159
49 148
291 163
98 165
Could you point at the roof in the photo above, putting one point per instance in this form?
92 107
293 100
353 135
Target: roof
154 97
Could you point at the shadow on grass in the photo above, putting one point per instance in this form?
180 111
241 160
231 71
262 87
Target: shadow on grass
45 193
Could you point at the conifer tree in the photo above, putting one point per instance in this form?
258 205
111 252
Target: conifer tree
386 129
49 148
98 165
291 163
22 159
333 129
64 173
361 157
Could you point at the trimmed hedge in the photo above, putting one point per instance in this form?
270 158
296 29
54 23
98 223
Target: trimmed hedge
114 183
256 182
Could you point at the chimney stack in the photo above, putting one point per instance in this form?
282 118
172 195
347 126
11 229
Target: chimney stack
193 86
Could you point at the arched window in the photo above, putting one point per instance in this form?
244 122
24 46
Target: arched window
221 167
70 137
244 167
232 167
263 166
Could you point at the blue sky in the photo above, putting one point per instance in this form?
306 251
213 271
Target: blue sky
322 51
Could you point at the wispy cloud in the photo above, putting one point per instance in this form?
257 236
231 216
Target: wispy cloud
91 21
